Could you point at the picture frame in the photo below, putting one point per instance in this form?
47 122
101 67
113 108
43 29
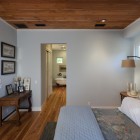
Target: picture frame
9 89
7 67
62 68
20 89
27 82
7 50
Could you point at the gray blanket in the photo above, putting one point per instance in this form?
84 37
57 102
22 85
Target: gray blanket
115 125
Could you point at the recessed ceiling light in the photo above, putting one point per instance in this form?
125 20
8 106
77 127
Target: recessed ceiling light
103 20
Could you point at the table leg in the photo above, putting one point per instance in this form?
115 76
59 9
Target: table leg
0 115
30 104
122 97
18 114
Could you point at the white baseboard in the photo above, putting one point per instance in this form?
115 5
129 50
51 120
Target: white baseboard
23 110
105 107
36 108
33 109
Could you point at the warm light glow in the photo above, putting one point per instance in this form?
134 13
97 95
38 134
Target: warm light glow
103 20
128 63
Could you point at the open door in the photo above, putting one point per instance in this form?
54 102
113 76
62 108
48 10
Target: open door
49 71
46 71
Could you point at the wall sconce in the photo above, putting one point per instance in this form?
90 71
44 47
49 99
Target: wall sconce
130 63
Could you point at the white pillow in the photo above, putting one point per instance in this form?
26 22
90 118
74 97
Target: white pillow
131 108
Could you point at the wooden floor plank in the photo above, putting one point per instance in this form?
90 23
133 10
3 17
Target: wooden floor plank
33 123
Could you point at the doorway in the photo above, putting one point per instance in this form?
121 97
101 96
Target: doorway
53 68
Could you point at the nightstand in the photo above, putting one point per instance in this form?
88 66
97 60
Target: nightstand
123 95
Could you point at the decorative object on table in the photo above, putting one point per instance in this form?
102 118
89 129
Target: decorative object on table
7 67
27 83
131 90
20 89
128 87
9 89
19 80
7 50
133 94
16 84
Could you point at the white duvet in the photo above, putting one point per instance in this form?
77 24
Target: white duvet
131 108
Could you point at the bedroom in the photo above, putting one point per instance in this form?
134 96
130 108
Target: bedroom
93 62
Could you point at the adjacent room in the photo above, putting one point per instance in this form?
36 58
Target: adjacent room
70 70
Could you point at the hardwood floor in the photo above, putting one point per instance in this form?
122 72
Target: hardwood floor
33 123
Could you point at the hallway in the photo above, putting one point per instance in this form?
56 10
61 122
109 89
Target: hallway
49 113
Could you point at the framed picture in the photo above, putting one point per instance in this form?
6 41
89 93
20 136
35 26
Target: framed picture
7 50
27 82
62 68
9 89
7 67
20 89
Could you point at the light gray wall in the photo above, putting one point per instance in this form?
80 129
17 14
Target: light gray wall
94 70
137 75
133 33
133 29
7 35
56 66
136 42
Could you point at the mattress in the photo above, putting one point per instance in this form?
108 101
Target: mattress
77 123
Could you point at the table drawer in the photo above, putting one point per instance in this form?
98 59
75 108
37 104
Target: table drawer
8 103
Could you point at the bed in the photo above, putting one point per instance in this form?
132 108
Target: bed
84 123
115 125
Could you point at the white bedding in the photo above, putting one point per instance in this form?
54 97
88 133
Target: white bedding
77 123
131 108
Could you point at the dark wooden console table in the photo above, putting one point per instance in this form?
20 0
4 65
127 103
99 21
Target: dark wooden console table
14 99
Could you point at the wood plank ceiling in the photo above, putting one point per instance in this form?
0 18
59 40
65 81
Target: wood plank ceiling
70 14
